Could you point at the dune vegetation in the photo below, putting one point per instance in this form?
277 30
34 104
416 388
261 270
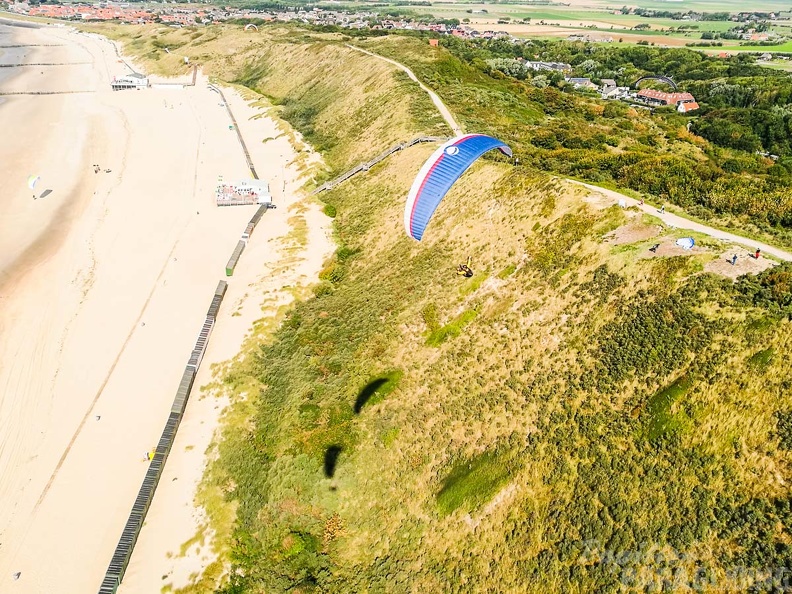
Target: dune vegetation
577 416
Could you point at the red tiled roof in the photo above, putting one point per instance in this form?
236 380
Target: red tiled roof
667 98
688 106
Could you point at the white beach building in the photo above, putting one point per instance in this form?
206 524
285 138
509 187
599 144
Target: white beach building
252 191
135 80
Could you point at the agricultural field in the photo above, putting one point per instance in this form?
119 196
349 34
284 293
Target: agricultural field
599 20
580 415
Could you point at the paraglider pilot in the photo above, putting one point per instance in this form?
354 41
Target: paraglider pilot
464 269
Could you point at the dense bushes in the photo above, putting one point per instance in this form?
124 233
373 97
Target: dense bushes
650 338
771 289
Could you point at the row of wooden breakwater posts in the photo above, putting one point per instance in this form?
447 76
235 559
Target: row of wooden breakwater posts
126 544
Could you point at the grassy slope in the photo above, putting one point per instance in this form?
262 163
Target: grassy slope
579 397
540 426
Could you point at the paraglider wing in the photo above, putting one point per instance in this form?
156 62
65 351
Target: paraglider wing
32 181
250 26
686 243
439 173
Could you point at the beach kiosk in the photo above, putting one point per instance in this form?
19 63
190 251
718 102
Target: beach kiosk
135 80
240 193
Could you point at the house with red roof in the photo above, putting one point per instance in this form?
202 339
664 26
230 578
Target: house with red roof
687 106
654 97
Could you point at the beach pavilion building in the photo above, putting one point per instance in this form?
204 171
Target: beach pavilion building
135 80
253 191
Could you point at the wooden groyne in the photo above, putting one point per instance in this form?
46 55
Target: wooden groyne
369 164
43 92
20 65
126 544
32 45
238 132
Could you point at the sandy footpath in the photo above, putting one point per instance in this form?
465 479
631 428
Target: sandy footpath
104 283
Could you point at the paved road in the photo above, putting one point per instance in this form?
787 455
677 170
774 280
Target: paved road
668 218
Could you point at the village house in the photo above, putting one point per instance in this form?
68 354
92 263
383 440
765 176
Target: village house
687 106
610 90
661 98
653 97
608 83
582 83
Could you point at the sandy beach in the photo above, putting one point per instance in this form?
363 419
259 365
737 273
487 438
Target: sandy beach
104 281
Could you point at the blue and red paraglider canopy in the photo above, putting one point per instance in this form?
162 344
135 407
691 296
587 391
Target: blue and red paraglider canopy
439 173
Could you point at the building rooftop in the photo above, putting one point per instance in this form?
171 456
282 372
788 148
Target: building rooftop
688 106
667 98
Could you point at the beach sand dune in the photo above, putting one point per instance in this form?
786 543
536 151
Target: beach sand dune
104 283
273 265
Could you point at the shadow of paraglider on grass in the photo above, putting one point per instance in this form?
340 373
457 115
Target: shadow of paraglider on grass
374 391
331 459
45 193
367 392
377 389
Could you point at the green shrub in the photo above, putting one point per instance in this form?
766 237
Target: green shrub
472 483
452 329
784 428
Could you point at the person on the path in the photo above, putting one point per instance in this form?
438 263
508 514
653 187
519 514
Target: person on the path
662 209
641 202
756 255
734 259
